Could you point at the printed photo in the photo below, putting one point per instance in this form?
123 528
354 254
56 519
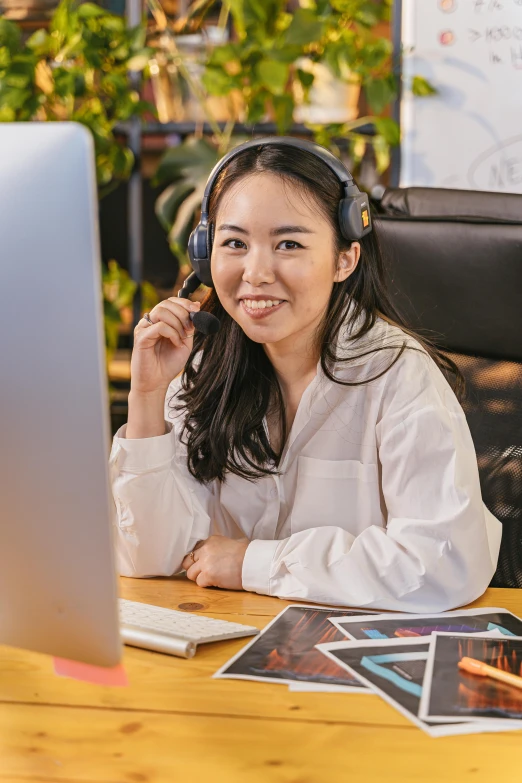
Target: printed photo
399 626
285 651
394 669
473 678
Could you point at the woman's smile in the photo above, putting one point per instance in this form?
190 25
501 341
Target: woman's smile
261 308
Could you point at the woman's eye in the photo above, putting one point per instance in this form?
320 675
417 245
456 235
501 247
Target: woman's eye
235 244
290 244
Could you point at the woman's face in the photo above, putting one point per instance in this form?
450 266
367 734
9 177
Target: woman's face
273 263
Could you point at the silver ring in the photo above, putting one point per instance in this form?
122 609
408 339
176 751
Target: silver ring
147 318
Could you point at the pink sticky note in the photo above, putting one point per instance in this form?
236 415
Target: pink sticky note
96 675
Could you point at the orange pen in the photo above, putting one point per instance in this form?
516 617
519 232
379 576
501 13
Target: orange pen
472 666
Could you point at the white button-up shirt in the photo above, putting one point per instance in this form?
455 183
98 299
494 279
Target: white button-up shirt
377 504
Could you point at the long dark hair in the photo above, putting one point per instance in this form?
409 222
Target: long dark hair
227 392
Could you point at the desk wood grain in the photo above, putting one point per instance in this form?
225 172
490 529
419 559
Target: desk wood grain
175 722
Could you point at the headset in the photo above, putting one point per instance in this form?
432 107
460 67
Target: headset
354 212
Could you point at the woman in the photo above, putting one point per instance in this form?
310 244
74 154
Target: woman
312 449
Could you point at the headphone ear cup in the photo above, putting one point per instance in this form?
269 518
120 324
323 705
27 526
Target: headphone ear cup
199 254
191 247
354 217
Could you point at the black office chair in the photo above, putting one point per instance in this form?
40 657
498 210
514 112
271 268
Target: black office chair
456 270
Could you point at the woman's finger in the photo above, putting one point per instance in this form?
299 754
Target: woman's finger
194 571
179 308
148 327
178 320
190 307
202 580
174 312
147 336
188 560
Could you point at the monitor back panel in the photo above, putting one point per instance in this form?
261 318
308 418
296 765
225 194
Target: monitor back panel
58 584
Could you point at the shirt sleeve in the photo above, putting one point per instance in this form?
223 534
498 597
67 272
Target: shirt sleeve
160 510
440 545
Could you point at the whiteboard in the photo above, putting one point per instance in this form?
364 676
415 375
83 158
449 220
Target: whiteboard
468 136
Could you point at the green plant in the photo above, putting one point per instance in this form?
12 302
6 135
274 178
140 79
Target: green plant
184 170
76 70
118 295
271 60
263 65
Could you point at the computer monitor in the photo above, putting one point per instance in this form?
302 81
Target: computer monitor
58 583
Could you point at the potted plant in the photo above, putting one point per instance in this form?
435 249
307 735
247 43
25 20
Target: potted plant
76 70
272 63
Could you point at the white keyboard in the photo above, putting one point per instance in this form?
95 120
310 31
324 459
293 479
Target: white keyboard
172 632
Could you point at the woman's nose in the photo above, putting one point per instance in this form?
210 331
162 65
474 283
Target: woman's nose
258 267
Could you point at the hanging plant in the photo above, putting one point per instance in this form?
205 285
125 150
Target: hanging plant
264 65
77 70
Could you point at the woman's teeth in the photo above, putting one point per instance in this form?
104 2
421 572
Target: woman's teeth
256 304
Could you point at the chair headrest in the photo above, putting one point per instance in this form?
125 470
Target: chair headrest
464 205
455 260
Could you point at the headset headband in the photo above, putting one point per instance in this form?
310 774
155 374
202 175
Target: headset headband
335 165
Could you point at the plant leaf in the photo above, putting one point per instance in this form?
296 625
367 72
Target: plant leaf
185 220
284 110
273 75
388 129
149 296
10 35
305 77
39 40
224 54
139 61
305 27
90 11
168 202
218 82
257 105
191 161
380 92
358 148
421 87
286 54
382 153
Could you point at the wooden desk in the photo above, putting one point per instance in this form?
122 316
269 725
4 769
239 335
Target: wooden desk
174 723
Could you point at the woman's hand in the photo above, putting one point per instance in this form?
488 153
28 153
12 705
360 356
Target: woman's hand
161 349
218 562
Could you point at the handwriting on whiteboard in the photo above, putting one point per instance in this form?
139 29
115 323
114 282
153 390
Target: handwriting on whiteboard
490 36
499 168
469 135
485 6
511 54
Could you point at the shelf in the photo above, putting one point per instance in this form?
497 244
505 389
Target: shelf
119 366
240 129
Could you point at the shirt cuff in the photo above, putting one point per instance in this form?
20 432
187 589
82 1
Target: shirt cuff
142 454
257 566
